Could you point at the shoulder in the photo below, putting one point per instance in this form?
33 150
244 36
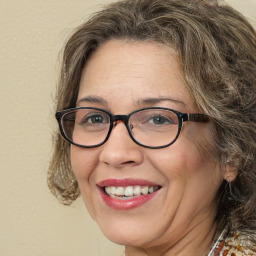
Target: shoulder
235 245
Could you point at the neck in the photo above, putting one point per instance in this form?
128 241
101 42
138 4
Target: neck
197 242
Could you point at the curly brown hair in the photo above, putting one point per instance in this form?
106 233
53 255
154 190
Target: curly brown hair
217 50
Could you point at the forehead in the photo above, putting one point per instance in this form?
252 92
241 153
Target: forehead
133 70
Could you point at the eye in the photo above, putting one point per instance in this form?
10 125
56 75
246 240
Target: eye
154 119
160 120
95 118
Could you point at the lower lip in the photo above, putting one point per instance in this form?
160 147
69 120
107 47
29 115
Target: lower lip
128 204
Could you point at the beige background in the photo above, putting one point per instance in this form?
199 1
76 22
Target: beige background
32 222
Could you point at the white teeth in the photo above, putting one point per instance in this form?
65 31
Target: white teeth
113 190
144 190
119 191
136 190
108 190
129 191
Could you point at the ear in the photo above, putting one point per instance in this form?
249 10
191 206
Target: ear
229 173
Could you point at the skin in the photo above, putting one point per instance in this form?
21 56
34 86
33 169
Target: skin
179 220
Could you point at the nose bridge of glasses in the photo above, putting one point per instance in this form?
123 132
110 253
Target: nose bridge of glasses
117 118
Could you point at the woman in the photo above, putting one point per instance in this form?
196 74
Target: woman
133 76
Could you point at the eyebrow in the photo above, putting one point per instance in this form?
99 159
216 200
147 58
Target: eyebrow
93 99
152 101
146 101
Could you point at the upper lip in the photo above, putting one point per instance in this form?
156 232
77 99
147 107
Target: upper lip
126 182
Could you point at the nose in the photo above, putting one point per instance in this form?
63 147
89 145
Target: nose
120 150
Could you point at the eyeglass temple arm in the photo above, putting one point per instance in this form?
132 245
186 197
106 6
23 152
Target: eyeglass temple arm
195 117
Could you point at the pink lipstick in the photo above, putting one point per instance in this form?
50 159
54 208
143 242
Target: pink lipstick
125 194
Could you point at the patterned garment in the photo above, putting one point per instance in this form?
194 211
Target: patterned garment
235 245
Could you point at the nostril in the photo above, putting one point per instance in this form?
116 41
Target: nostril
128 162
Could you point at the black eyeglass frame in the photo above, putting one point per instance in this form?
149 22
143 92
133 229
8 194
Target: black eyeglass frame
182 117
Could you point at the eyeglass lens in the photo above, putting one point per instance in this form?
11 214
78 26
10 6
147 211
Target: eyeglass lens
150 127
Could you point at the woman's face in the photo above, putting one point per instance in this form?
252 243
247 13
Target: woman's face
121 77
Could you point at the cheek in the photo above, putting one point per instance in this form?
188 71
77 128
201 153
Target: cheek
176 159
193 180
84 162
188 163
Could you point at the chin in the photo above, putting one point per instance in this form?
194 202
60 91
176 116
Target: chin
128 232
125 239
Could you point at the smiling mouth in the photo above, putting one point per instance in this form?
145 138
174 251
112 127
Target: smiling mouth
129 192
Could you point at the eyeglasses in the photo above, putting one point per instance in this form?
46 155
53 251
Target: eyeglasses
153 127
